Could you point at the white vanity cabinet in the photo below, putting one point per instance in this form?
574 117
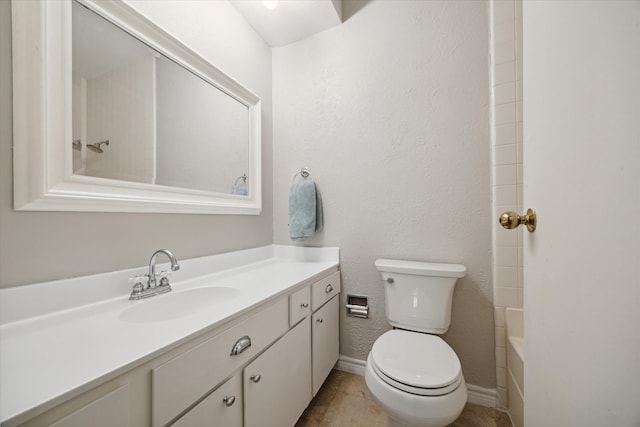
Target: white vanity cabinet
294 346
258 369
277 385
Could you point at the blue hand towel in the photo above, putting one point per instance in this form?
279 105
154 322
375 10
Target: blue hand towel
305 211
241 190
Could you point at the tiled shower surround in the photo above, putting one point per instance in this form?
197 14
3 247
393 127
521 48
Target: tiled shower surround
506 149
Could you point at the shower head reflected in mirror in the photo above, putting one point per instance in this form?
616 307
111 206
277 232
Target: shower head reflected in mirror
77 145
96 147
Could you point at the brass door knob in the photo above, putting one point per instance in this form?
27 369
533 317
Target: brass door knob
510 220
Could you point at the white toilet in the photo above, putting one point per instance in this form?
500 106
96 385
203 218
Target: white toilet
411 372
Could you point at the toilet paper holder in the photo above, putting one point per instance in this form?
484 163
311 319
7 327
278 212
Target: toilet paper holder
358 306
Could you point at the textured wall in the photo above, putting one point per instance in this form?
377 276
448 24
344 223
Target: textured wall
390 111
39 246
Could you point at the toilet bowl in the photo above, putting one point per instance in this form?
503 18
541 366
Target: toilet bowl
416 379
412 373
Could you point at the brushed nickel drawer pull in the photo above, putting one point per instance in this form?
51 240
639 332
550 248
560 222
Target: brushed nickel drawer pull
229 400
328 289
255 378
241 345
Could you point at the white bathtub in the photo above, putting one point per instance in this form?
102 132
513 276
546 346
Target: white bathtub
515 364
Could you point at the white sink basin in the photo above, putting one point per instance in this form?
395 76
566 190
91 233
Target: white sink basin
174 305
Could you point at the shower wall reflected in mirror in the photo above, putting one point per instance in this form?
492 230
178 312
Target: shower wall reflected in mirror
139 116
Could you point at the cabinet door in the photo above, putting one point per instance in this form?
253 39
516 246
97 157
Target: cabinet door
112 409
325 341
277 385
223 407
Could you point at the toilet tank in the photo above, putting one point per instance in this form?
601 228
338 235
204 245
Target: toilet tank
418 295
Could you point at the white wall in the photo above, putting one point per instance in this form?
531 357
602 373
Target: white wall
390 111
40 246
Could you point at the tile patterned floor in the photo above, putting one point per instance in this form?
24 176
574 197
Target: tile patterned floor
344 401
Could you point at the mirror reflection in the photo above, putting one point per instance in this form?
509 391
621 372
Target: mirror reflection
139 116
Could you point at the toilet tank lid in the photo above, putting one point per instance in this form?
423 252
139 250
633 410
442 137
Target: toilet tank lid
421 268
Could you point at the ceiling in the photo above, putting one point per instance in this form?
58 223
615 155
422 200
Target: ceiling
291 20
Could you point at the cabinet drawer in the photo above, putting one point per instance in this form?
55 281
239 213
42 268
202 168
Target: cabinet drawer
223 407
299 305
180 382
323 290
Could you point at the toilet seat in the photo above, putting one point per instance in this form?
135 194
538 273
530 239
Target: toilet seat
416 363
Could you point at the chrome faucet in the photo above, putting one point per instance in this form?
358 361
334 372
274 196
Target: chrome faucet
152 266
152 287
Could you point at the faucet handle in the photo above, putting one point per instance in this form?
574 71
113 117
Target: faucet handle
164 277
139 284
139 279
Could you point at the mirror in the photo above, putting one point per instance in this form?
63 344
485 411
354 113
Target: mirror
147 119
148 125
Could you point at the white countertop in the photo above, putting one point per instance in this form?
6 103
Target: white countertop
68 343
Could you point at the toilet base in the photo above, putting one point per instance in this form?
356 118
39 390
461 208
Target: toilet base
410 410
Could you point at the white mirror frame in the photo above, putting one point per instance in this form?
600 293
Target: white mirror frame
43 178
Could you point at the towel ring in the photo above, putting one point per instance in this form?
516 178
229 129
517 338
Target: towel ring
243 178
304 172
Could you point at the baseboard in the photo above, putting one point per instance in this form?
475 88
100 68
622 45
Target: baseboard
475 394
351 365
482 396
